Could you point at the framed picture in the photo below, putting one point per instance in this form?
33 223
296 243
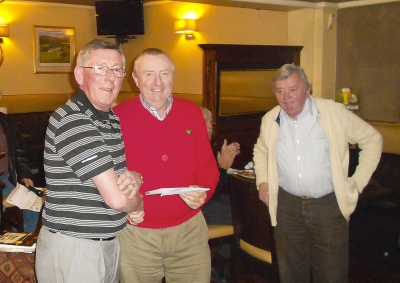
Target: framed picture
54 49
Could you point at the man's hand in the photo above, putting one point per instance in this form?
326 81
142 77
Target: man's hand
136 217
119 192
194 199
263 192
129 183
227 154
27 182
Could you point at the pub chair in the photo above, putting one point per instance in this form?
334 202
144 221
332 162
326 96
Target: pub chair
216 231
254 251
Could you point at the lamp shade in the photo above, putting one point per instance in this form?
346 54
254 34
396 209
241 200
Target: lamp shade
4 31
185 26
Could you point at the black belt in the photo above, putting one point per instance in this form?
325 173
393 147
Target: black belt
305 197
93 239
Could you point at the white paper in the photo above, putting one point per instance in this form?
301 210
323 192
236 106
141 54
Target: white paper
232 171
25 199
17 249
175 191
249 166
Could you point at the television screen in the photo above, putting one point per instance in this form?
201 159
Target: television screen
119 18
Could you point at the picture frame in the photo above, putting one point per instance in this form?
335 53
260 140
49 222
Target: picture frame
54 49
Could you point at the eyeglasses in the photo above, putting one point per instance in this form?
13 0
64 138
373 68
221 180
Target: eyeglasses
103 71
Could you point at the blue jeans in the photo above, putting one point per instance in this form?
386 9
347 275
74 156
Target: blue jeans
30 217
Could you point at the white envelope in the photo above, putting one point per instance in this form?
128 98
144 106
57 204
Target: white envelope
175 191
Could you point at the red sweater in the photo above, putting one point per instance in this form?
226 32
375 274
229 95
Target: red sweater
175 152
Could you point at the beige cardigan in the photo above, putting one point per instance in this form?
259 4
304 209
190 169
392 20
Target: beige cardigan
341 127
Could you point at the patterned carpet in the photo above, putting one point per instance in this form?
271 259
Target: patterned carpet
17 267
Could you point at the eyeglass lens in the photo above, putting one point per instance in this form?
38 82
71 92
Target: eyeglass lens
103 71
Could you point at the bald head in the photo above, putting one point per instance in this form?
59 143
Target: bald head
209 121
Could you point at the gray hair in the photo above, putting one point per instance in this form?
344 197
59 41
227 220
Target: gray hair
289 69
96 44
154 52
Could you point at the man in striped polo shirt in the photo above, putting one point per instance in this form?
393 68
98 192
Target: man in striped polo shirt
88 188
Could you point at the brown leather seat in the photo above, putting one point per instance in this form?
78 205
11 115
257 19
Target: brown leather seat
254 251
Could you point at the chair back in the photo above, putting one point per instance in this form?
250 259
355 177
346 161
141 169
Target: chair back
254 239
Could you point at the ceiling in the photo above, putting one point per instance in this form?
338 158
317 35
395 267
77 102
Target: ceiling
280 5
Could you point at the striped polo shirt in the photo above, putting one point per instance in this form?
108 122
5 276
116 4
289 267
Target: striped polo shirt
81 143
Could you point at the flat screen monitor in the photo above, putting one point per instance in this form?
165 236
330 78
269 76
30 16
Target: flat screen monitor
119 18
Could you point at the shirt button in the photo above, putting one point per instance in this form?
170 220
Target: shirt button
164 157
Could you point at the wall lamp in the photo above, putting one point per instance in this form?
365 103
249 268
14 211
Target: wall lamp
4 32
186 26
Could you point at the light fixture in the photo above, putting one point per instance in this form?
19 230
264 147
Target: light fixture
4 32
186 26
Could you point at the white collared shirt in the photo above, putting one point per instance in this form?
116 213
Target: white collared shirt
302 152
154 111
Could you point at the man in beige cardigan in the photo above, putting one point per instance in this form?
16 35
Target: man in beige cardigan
301 162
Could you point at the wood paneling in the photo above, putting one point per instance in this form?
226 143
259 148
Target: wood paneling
243 128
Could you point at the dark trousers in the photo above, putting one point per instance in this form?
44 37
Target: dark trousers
312 239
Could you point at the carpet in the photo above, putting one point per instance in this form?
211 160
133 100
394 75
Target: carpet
17 267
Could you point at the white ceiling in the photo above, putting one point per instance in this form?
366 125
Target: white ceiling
280 5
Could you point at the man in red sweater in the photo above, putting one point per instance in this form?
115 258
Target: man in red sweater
166 141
